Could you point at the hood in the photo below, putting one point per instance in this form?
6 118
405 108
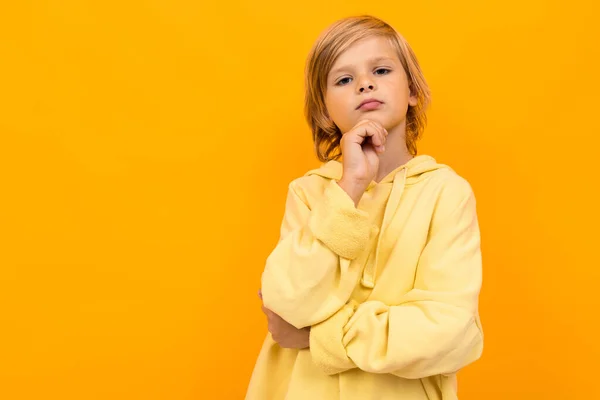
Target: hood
412 170
406 174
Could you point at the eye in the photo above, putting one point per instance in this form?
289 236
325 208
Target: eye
343 81
382 71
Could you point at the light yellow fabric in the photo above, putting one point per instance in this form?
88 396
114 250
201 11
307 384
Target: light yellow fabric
390 288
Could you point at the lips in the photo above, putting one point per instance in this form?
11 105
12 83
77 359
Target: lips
370 102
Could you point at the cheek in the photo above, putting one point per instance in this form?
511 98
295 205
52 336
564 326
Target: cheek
337 109
401 98
332 102
399 88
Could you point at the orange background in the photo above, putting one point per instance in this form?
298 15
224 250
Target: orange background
145 152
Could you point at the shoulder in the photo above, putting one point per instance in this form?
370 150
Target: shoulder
455 203
308 187
451 184
448 191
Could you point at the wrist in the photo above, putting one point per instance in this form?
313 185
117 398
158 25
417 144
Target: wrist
353 188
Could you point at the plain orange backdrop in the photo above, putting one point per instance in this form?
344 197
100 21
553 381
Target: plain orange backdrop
145 152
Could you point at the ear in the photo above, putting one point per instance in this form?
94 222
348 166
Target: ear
412 101
412 98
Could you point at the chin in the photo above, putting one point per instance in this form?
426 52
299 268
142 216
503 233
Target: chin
377 117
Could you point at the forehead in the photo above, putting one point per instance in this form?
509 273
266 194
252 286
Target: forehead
368 49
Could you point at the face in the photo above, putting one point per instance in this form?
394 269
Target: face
369 69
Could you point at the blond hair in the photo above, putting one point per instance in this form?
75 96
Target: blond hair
328 47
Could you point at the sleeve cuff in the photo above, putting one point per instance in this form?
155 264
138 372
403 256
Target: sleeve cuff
337 223
326 346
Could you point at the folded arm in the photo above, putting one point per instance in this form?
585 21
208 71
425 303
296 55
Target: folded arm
435 328
309 275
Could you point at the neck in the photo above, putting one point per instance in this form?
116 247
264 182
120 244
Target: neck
396 153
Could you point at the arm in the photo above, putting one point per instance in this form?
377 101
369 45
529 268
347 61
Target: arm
309 275
286 335
435 328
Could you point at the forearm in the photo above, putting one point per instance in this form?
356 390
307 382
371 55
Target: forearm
411 342
354 189
310 273
306 287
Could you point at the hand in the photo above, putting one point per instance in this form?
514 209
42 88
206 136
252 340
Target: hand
360 148
285 334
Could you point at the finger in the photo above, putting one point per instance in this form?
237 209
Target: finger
271 316
382 133
366 131
382 139
378 136
356 127
380 128
362 122
363 128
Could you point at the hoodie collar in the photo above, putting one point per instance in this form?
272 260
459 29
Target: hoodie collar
406 174
414 168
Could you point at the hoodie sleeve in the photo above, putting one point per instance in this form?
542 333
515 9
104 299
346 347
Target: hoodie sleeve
435 327
309 275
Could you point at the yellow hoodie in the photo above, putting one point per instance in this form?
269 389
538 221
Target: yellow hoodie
389 288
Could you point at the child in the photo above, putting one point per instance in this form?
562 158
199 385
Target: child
372 291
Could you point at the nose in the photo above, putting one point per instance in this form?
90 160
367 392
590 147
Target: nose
366 84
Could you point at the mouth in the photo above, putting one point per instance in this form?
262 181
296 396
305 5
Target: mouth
369 104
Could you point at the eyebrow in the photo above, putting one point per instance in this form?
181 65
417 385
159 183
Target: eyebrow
371 61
